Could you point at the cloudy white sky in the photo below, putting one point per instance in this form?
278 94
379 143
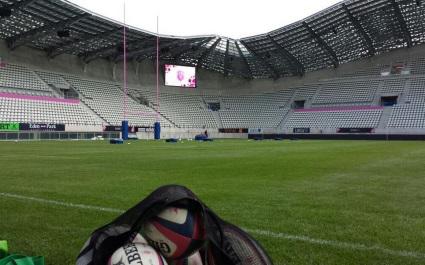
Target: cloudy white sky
229 18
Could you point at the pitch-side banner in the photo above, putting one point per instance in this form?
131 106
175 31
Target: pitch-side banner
42 127
9 127
355 130
301 130
131 129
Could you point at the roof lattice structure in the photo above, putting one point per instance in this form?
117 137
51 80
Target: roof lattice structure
348 31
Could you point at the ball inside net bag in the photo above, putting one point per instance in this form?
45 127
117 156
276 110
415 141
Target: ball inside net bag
194 259
136 253
176 232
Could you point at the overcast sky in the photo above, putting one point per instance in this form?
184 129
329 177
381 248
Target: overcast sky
229 18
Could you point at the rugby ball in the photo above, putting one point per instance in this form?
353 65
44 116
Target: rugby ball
195 259
136 253
176 232
138 238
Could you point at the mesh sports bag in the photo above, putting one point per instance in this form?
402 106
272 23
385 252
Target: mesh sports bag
226 243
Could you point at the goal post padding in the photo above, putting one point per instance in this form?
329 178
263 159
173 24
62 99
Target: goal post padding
157 131
124 130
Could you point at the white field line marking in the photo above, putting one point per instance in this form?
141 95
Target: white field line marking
332 243
65 204
339 244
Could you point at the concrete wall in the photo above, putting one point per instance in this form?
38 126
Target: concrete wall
190 134
213 132
83 128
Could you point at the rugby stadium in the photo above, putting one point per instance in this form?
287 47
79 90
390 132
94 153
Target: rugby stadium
309 137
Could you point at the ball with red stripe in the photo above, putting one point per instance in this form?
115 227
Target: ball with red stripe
176 232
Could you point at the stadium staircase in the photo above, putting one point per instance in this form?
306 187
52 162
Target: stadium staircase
142 101
406 91
378 94
55 92
55 83
215 114
287 112
89 109
286 117
309 103
164 116
93 113
385 118
217 119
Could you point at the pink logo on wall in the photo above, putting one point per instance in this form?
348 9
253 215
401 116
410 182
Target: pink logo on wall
181 76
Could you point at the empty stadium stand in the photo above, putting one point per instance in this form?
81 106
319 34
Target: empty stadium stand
107 100
358 92
255 111
38 109
184 110
335 118
350 101
410 114
21 78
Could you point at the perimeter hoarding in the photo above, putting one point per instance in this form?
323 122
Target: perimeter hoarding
9 127
41 127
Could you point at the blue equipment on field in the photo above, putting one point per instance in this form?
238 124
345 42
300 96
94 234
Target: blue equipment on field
157 131
116 141
203 138
124 130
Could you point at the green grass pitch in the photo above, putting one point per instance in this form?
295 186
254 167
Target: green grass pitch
307 202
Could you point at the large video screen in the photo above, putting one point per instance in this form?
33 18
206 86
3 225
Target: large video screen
181 76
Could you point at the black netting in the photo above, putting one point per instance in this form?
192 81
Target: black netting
227 244
247 249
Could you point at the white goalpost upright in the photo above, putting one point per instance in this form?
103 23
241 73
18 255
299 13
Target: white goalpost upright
124 123
157 126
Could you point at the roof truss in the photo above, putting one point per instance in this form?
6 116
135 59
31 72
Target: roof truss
296 66
402 22
274 73
180 53
207 52
360 29
244 59
342 33
19 5
322 44
36 33
69 45
227 59
145 51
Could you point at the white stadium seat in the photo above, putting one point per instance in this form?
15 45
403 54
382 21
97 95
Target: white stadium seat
189 109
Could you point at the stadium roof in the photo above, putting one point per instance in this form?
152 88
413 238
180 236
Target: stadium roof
345 32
